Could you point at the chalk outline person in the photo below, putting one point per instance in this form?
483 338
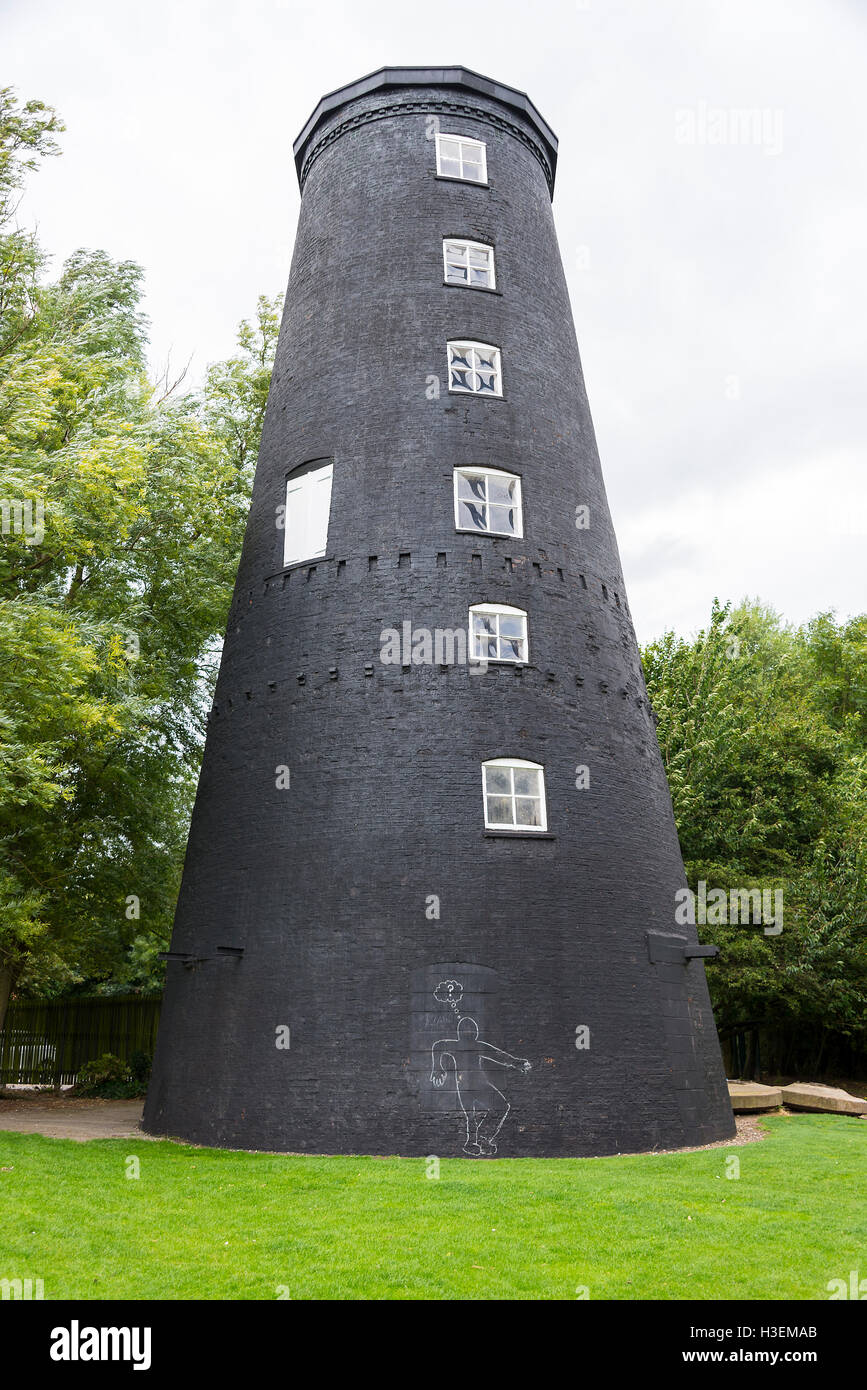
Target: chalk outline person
480 1100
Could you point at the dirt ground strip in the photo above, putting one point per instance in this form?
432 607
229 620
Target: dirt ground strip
64 1117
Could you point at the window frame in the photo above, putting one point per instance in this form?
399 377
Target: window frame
469 246
462 140
499 610
471 345
513 826
462 469
294 475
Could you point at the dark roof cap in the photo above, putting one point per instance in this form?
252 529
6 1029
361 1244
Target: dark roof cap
428 77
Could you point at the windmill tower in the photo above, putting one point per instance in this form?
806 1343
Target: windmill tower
428 903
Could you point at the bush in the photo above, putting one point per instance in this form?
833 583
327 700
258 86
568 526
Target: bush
113 1079
140 1067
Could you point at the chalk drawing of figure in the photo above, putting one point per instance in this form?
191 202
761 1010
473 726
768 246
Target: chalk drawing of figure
484 1105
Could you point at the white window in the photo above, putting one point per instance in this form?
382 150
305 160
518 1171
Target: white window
489 500
308 503
498 632
475 367
469 263
514 793
461 158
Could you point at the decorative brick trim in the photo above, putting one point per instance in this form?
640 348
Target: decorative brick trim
425 108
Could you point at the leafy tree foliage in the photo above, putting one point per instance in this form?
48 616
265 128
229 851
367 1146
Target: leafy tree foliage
763 731
125 511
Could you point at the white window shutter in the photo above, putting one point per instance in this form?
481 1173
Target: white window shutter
308 503
320 507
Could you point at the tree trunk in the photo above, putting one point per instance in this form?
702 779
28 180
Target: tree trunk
818 1062
7 980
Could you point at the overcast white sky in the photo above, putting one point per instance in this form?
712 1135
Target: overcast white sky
716 265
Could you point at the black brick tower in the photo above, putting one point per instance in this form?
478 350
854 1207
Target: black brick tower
428 904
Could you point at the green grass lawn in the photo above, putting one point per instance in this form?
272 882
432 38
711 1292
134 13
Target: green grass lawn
206 1223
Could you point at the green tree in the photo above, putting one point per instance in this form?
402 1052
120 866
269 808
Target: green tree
236 391
762 732
124 517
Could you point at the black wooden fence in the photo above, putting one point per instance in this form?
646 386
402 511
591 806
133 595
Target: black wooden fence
44 1044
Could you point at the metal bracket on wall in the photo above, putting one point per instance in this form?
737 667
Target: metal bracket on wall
188 960
664 948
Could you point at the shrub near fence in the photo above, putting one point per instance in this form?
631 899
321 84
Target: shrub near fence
46 1043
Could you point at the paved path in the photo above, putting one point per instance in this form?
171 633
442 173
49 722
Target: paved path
59 1118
